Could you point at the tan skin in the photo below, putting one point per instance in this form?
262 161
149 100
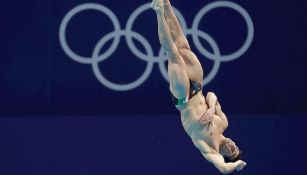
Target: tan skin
202 117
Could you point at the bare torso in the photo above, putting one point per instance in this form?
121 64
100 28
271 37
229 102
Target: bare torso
211 133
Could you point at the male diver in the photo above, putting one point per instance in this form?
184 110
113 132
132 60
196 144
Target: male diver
202 117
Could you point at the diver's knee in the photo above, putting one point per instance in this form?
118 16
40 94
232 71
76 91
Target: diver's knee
182 43
210 95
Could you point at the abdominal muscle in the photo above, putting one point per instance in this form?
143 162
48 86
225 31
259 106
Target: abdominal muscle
190 116
192 111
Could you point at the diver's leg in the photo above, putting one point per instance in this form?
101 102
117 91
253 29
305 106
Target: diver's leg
193 66
175 27
179 82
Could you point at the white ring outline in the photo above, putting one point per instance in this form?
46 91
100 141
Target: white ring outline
128 86
216 65
129 34
234 6
129 27
72 13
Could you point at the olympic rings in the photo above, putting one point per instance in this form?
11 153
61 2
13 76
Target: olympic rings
149 55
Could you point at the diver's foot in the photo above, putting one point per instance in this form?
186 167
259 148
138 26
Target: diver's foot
167 2
157 6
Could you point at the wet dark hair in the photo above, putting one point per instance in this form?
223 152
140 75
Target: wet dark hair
229 159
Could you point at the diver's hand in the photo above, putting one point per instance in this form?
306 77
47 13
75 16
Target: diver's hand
207 117
241 165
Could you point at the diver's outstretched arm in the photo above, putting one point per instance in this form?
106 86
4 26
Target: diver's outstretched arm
217 160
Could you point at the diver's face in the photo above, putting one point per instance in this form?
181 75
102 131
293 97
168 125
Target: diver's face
230 148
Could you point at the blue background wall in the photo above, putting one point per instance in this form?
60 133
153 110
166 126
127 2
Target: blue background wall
272 144
38 78
57 118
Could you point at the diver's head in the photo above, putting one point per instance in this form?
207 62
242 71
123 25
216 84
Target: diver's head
229 150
